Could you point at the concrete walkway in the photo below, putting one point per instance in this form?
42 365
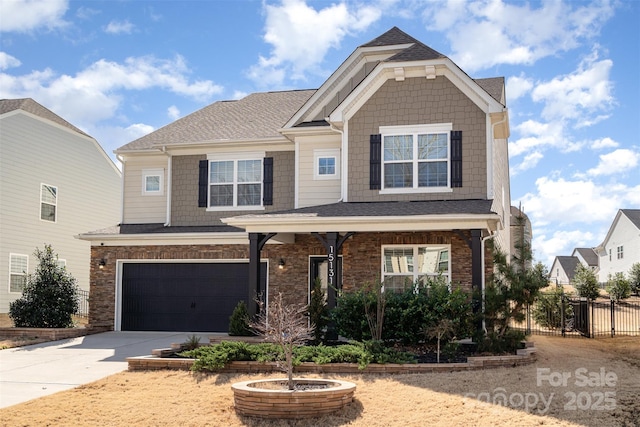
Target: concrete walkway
38 370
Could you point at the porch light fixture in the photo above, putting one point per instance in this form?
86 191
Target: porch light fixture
102 264
281 264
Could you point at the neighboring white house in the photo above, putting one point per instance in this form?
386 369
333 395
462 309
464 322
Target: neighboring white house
621 247
563 269
55 182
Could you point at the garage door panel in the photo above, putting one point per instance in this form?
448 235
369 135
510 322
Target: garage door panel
197 297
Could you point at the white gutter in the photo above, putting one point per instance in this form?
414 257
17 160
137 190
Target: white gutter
343 160
168 185
121 159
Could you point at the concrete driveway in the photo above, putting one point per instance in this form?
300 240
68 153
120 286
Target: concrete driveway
38 370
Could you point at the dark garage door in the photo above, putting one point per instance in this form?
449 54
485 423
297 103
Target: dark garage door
186 297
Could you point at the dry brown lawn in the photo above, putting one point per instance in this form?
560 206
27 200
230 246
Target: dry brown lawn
602 388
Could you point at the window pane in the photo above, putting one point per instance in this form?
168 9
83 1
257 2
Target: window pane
398 147
433 260
19 264
398 260
432 146
49 194
152 183
17 283
249 170
249 194
221 195
221 172
327 166
47 212
397 283
432 174
398 175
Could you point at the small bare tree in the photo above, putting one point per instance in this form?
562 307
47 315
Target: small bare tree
286 325
441 330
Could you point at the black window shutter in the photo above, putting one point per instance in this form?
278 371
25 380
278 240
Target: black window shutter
456 158
267 198
203 183
375 166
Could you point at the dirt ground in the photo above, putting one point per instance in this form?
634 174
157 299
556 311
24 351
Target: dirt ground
575 381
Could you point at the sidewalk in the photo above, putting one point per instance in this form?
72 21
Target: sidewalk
38 370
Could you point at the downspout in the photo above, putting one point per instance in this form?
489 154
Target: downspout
490 236
168 185
121 160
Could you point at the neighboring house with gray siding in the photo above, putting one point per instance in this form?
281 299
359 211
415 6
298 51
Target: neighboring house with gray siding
396 168
55 182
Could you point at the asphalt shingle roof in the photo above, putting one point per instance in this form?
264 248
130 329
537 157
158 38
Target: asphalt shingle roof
256 116
31 106
569 264
589 255
633 215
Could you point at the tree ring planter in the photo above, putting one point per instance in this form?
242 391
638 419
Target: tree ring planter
312 398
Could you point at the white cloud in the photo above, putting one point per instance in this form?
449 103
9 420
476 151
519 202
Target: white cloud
535 135
173 112
119 27
518 86
301 36
603 143
23 16
8 61
95 93
490 32
616 162
530 161
579 95
546 248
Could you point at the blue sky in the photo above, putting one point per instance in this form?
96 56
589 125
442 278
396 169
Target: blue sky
121 69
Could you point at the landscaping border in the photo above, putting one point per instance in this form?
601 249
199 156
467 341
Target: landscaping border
50 334
156 361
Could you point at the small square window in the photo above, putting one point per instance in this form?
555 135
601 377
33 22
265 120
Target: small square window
153 182
326 164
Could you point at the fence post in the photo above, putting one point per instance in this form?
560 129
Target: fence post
563 323
593 303
613 319
528 319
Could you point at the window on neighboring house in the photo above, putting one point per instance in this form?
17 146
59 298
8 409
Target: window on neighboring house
415 157
620 251
18 266
62 263
403 266
235 183
609 254
326 164
48 202
153 182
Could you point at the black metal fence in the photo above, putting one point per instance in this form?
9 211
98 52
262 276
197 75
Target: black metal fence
558 314
83 303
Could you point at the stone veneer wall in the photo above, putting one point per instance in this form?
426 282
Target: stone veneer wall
361 263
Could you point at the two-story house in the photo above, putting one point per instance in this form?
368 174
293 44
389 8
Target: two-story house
620 248
395 169
55 182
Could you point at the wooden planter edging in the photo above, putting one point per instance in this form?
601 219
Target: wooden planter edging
524 357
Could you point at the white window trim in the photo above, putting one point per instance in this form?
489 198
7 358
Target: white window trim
415 248
324 154
55 220
235 157
149 173
415 130
25 273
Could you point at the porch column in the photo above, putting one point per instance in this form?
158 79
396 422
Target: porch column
476 270
256 243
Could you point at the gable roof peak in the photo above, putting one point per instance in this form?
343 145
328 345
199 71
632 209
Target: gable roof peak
395 36
37 109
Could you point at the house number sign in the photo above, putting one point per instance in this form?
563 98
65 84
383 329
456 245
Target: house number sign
331 259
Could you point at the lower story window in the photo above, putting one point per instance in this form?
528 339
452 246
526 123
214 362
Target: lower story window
18 265
406 265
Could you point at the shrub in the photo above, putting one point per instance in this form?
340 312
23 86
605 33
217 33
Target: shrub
547 311
618 287
49 298
634 278
239 321
586 283
318 312
494 343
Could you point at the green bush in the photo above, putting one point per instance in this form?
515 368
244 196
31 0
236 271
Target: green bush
216 356
586 283
49 298
547 311
318 312
239 321
492 342
634 278
407 314
618 287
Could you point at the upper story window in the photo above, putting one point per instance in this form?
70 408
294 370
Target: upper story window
18 266
152 182
416 158
620 252
326 164
48 202
235 183
405 265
